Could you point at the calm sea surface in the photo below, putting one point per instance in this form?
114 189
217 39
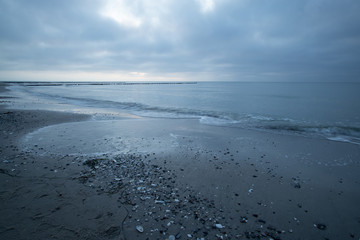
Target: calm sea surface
330 110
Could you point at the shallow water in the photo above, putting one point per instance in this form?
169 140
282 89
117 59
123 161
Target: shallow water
327 110
166 136
101 137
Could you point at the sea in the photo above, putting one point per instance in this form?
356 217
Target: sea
323 110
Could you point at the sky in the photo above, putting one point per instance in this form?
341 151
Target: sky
180 40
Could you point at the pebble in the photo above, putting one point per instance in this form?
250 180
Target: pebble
243 220
320 226
140 229
219 226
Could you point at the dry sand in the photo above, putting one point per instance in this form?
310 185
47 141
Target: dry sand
214 183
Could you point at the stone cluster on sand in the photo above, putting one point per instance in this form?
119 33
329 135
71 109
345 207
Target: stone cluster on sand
159 206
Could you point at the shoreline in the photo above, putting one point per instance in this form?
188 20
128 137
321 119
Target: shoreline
101 109
206 185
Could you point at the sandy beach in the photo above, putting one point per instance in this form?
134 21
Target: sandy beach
65 176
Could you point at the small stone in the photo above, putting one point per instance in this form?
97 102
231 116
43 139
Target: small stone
320 226
219 226
171 237
243 220
218 236
159 202
139 228
261 221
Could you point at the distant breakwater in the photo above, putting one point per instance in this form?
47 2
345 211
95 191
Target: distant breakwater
32 84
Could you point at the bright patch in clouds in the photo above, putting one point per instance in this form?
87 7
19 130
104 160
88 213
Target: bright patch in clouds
81 76
141 74
121 12
206 5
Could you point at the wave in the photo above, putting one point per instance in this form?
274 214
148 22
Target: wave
339 132
136 108
348 134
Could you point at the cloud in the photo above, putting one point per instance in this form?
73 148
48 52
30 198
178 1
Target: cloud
121 12
207 5
203 39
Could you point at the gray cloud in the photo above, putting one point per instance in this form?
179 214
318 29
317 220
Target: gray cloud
315 40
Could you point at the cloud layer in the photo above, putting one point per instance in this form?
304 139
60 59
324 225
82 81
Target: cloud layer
240 40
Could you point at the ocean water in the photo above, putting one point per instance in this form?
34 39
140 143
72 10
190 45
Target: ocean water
325 110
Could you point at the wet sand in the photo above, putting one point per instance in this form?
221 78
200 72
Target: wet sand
177 178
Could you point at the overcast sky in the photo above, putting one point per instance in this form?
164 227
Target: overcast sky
157 40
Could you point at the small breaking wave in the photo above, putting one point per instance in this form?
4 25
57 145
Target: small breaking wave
347 134
275 124
217 121
345 139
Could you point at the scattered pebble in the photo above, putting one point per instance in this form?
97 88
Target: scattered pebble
219 226
320 226
139 228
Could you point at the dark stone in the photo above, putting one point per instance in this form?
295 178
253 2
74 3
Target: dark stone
321 226
262 221
91 163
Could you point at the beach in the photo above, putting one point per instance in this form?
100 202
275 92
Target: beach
68 176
